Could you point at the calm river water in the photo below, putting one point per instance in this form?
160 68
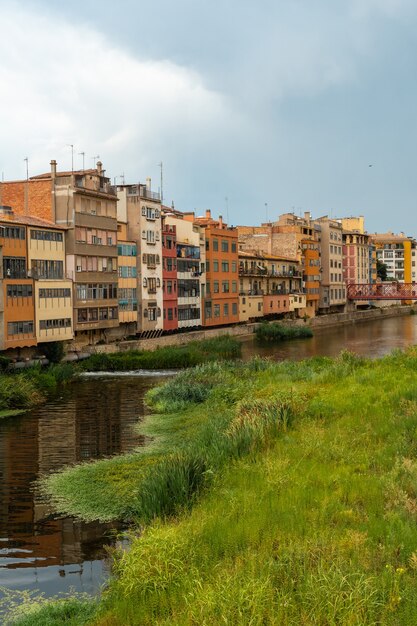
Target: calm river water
95 418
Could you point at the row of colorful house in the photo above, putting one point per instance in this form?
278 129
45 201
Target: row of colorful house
87 261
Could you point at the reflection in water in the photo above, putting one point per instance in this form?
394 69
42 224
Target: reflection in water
93 419
371 339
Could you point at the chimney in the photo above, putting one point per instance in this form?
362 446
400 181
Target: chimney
220 221
53 168
99 168
148 183
208 214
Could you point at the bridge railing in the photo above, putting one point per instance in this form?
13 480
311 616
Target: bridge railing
382 291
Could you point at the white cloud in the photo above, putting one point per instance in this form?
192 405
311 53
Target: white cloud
65 84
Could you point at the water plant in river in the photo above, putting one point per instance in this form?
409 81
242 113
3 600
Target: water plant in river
306 481
168 357
23 390
280 332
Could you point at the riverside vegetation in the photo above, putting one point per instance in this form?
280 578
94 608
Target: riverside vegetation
272 493
24 389
279 332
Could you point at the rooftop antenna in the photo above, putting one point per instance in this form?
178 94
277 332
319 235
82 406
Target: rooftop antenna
26 159
95 158
227 208
83 155
266 211
71 145
161 165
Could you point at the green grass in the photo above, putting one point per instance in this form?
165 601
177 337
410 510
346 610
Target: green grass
22 390
169 357
279 332
286 496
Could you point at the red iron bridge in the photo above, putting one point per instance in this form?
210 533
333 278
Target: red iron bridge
383 291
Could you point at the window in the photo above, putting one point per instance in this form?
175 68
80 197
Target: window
13 232
215 245
225 266
225 309
215 286
234 308
188 288
234 267
225 245
14 267
55 292
55 323
152 314
151 285
19 291
225 286
47 269
46 235
19 328
215 266
217 310
207 266
188 313
234 248
170 314
234 286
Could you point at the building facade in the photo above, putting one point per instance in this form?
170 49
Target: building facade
221 298
140 208
332 286
127 281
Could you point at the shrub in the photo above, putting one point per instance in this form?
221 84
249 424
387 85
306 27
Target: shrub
280 332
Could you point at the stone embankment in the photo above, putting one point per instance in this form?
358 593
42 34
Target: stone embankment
322 321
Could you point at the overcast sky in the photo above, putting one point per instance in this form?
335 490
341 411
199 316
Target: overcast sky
276 105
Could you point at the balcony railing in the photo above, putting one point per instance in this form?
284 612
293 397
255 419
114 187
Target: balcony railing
150 195
257 271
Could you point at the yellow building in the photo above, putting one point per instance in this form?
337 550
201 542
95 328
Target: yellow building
53 291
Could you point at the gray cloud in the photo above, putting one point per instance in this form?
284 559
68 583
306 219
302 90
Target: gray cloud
279 102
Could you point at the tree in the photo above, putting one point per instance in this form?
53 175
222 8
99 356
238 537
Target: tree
381 270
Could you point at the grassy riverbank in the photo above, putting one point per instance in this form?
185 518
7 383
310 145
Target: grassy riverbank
168 357
274 493
20 391
272 332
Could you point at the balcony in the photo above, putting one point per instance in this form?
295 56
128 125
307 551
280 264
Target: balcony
258 271
252 292
150 195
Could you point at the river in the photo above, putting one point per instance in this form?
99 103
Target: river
95 418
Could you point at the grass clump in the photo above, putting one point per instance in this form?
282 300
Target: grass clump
23 390
169 357
279 332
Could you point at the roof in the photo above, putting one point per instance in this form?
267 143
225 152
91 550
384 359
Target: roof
28 220
68 173
390 237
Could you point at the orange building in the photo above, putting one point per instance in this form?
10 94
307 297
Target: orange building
19 329
220 302
36 294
